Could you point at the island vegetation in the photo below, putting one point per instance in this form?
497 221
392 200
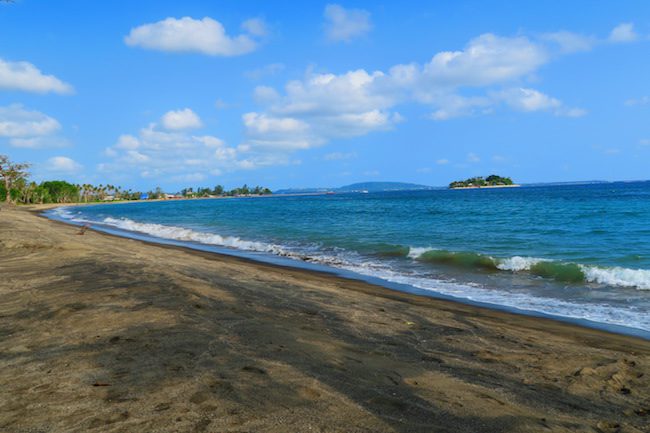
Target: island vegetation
17 188
482 182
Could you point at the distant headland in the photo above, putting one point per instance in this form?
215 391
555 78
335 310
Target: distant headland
492 181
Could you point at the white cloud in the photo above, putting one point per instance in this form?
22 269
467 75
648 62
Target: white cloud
127 142
345 24
523 99
623 33
265 94
317 109
371 173
644 142
181 119
453 105
255 27
29 129
473 158
205 36
442 161
569 42
323 106
63 165
178 155
643 100
27 77
41 142
486 60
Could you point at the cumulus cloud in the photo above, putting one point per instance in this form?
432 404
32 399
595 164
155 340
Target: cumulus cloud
28 128
26 77
523 99
181 119
623 33
325 106
319 108
15 121
345 24
205 36
176 154
62 165
486 60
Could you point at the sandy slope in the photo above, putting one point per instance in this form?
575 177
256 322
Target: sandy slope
108 334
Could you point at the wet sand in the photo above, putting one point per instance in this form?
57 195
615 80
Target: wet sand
100 333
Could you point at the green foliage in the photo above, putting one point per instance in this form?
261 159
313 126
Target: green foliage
16 187
477 182
61 191
220 191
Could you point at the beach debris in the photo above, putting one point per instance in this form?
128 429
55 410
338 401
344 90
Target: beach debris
161 407
83 229
101 384
253 369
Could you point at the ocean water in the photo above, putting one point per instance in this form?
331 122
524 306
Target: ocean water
580 252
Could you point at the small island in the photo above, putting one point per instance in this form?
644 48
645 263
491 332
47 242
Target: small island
492 181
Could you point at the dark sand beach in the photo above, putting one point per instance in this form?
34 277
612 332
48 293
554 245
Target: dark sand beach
100 333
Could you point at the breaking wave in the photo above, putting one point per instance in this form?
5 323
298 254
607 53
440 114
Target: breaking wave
559 271
563 272
382 261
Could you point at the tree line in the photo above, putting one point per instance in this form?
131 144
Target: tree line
220 191
15 187
492 180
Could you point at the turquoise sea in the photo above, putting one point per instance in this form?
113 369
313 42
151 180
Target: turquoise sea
580 252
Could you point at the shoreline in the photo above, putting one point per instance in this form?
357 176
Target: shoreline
284 262
102 331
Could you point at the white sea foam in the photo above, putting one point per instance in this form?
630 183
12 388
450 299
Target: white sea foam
613 276
415 252
604 313
597 312
518 263
184 234
623 277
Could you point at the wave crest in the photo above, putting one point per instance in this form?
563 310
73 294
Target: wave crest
183 234
459 259
559 271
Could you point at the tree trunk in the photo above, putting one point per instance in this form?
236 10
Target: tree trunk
8 189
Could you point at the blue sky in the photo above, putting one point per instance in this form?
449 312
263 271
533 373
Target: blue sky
176 94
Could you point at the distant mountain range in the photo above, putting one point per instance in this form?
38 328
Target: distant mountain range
402 186
359 187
